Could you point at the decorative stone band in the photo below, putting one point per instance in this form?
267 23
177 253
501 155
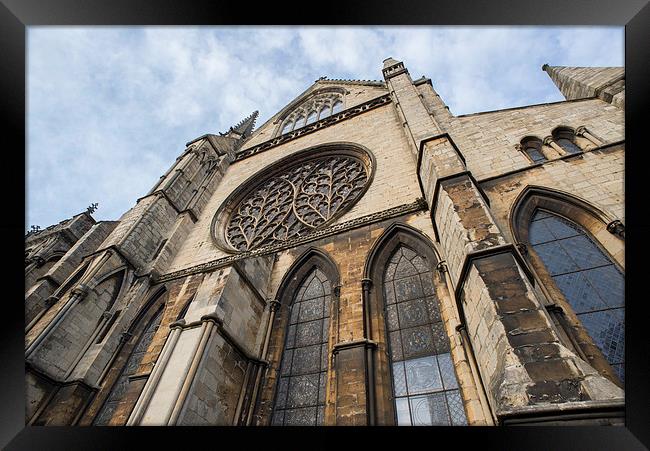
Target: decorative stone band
419 205
350 112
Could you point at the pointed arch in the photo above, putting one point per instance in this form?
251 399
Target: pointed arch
387 242
593 219
309 260
579 274
300 345
415 379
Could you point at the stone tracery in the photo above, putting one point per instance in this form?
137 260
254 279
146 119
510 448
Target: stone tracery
296 201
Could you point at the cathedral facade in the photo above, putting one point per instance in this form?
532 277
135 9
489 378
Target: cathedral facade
364 257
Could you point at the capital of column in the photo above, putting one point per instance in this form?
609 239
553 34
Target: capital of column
274 305
51 300
580 131
441 267
366 284
616 227
80 291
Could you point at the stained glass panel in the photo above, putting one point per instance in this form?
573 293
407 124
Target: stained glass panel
424 383
588 279
300 393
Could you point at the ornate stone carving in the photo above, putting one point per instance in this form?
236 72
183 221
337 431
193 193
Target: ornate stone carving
293 202
350 112
418 205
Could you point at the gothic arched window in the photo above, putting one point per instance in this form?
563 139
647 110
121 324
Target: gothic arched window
300 394
120 386
425 388
565 138
314 108
588 279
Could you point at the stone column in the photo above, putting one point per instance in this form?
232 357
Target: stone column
582 131
525 368
549 141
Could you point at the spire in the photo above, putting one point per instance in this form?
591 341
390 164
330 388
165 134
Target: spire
581 82
245 127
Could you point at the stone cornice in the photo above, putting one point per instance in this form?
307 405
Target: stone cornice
330 120
418 205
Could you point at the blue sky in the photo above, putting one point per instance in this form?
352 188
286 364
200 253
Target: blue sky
110 108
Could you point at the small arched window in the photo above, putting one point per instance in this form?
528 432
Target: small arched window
587 277
565 138
532 147
338 106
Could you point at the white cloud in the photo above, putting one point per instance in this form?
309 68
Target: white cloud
110 108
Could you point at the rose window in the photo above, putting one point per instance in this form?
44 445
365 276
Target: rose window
297 200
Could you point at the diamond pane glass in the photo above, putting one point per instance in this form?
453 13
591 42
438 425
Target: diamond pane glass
430 410
425 388
588 279
300 392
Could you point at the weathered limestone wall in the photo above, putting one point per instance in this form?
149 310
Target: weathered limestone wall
199 375
378 130
488 140
54 281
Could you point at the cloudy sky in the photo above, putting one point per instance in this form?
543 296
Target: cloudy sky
110 108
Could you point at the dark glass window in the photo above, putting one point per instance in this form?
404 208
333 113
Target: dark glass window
535 153
568 145
300 394
119 388
588 279
425 388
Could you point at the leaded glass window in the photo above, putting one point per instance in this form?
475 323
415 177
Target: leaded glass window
119 388
300 393
287 127
588 279
425 388
338 106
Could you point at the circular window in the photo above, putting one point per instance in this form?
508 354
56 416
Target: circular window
293 197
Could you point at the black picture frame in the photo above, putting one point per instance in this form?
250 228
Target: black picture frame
16 15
